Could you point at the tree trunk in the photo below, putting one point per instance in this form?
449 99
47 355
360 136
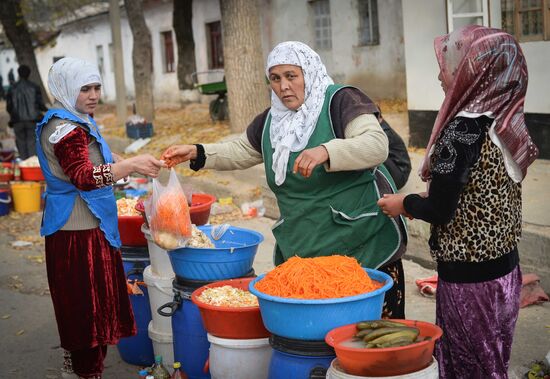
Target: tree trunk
243 61
17 31
181 22
142 59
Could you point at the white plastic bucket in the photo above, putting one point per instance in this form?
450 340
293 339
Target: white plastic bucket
243 359
430 372
162 345
160 293
160 261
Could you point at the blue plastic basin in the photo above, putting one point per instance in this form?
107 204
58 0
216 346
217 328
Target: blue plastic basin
313 319
231 258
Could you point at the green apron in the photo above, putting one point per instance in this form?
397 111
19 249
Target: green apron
329 212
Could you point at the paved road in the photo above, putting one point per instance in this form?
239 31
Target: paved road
30 347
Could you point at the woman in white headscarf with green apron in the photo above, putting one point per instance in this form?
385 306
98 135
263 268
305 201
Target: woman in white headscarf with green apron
323 151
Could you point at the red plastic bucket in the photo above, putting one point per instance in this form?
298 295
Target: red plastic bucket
200 208
129 228
33 174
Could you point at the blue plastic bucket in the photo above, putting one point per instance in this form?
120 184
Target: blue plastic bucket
188 334
138 349
231 258
303 319
5 201
299 359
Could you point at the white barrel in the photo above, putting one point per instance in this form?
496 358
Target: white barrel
160 293
162 345
160 261
335 371
243 359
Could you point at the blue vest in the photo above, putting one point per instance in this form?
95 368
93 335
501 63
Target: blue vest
60 195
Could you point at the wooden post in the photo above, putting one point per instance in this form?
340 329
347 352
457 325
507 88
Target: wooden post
114 17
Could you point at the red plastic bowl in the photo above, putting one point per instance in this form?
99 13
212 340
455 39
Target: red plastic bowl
32 174
200 208
231 322
8 176
389 361
129 228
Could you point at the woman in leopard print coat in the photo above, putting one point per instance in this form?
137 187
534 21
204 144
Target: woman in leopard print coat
477 156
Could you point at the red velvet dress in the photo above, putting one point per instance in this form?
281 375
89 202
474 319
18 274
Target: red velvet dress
85 273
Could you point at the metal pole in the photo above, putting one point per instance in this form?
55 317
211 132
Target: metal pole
114 17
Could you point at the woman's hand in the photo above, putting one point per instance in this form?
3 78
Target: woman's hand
116 157
179 153
144 164
309 159
392 205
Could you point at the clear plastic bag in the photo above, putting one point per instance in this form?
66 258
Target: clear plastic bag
169 218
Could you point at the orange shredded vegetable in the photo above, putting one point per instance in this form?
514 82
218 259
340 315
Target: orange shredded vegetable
317 278
171 214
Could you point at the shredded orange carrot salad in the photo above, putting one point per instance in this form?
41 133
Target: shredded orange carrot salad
317 278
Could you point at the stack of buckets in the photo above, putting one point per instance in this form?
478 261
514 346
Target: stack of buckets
192 343
159 277
27 194
137 350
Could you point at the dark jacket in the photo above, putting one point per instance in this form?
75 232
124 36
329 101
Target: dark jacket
398 162
24 102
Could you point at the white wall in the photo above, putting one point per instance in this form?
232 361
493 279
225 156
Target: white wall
80 40
8 61
379 70
424 20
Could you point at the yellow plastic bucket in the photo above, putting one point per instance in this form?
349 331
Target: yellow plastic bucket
26 197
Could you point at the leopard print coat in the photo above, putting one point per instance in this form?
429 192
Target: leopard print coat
487 222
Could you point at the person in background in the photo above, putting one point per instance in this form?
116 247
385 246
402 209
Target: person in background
11 77
83 261
25 106
2 93
323 149
399 161
477 156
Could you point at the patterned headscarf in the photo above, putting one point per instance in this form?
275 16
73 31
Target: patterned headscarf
290 130
65 79
485 72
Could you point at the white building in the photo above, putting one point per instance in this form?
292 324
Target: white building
384 47
423 20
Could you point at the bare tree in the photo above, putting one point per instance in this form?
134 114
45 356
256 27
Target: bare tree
17 31
142 59
242 51
183 27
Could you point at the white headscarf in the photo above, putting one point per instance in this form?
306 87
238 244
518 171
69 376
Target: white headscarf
65 79
290 130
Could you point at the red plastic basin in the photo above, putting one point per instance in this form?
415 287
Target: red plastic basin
389 361
129 228
7 176
32 174
200 208
231 322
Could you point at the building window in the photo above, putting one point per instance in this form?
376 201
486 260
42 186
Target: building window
321 19
368 22
168 49
100 59
215 46
527 20
467 12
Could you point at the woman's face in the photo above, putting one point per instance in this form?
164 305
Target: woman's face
88 98
287 81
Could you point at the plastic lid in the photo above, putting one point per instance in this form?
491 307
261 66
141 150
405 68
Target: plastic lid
177 365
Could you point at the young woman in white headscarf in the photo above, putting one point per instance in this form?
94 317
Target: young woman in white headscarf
477 156
84 266
323 149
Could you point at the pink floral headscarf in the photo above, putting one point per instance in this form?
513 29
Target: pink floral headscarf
485 72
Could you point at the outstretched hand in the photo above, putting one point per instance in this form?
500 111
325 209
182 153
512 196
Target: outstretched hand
179 153
309 159
392 205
